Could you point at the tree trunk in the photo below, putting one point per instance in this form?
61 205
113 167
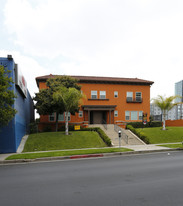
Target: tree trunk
66 124
56 128
164 127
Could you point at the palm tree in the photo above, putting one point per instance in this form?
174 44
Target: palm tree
165 104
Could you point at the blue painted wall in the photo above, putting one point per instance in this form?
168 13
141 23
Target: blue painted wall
11 135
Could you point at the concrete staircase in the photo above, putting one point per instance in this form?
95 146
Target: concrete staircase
113 135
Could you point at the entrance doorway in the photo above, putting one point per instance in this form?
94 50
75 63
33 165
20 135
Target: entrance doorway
98 117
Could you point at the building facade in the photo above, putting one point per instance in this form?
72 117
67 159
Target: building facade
11 135
179 91
108 100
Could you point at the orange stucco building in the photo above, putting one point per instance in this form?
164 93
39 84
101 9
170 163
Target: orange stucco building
107 99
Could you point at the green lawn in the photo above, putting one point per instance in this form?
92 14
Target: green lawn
173 146
59 141
157 135
65 153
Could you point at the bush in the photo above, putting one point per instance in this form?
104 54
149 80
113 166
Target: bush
62 128
47 128
141 135
149 124
101 133
33 128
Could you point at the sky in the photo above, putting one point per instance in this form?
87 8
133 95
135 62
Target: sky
113 38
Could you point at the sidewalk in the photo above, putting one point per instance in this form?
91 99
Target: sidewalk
137 149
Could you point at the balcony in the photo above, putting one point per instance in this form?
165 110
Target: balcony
134 100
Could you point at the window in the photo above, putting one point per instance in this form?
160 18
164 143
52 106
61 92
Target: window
61 117
140 115
127 115
69 116
129 96
102 94
116 113
52 117
94 94
116 94
138 96
134 115
80 113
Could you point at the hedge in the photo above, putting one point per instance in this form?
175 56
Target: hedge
141 135
149 124
101 133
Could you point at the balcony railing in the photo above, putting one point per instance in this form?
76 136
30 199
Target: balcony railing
134 100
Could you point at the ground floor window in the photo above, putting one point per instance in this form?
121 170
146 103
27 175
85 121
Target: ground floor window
80 113
133 115
52 117
116 113
61 117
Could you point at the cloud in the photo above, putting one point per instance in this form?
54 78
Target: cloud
129 38
29 68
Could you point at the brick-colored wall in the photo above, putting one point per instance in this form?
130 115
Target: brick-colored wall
174 123
120 101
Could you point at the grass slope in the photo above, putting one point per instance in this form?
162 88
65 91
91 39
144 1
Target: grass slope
58 141
157 135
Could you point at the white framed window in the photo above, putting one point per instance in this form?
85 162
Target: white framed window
138 96
116 94
69 116
93 94
140 115
116 113
61 117
80 113
134 115
129 96
52 117
102 94
127 115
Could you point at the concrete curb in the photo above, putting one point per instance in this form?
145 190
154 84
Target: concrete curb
85 156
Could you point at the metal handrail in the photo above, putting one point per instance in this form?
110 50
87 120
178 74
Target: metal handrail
123 134
104 123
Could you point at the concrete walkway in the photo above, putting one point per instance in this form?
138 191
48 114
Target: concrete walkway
136 148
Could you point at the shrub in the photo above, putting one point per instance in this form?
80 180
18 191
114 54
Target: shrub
101 133
47 128
141 135
149 124
33 128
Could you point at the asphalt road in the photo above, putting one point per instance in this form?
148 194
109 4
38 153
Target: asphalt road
149 179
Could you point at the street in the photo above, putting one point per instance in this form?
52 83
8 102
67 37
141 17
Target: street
147 179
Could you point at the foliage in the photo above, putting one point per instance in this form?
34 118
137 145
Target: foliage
139 133
7 97
149 124
33 128
165 104
157 135
102 134
46 104
70 100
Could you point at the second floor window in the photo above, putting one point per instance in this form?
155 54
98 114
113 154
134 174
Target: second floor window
93 94
102 94
138 96
115 94
129 96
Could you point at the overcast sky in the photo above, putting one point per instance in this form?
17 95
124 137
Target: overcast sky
117 38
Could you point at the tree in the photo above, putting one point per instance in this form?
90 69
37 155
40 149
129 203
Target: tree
7 97
165 104
71 99
45 104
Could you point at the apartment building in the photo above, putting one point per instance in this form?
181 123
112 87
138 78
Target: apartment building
108 99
